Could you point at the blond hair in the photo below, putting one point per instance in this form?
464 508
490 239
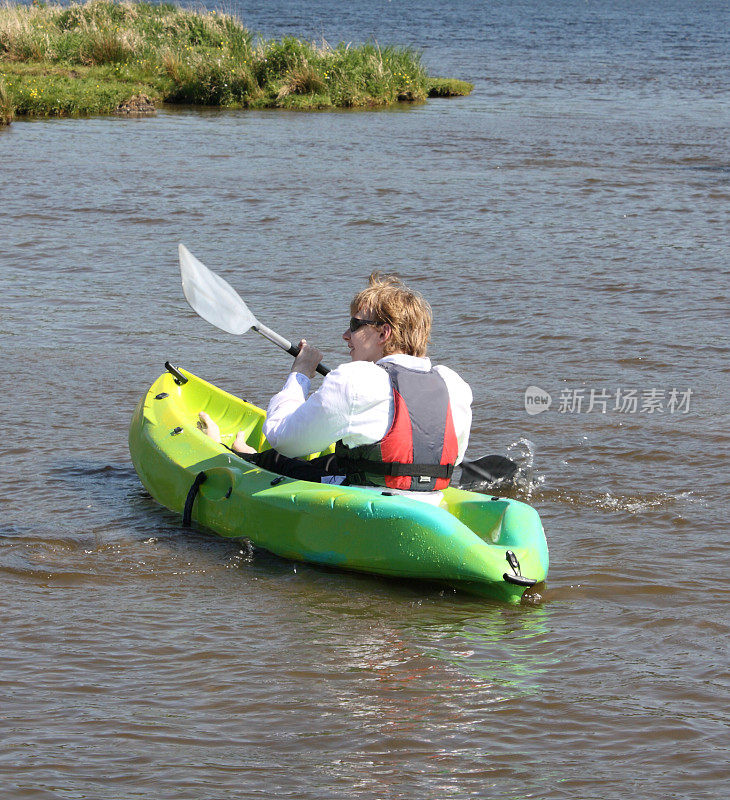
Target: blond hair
389 300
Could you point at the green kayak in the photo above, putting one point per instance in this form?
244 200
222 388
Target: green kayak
492 547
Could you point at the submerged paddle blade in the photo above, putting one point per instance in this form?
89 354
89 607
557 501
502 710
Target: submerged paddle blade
487 472
211 297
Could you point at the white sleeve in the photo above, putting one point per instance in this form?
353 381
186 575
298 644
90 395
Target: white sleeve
462 434
297 426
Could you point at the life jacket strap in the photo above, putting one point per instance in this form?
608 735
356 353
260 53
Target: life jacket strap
398 470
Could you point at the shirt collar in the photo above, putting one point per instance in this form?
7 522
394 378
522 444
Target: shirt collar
412 362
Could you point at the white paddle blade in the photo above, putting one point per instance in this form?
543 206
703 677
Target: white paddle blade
211 297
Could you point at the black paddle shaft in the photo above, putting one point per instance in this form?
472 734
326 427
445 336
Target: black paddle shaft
294 351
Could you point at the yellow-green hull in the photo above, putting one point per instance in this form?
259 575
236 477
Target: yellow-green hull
463 543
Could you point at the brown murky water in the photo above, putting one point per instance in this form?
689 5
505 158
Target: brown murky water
572 237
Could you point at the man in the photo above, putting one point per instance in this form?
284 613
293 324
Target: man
399 423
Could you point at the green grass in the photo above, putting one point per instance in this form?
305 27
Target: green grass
7 109
448 87
89 58
42 89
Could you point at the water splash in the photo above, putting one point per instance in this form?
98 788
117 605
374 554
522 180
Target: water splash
502 476
522 452
243 556
619 503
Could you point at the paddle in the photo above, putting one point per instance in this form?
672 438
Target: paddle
217 302
494 470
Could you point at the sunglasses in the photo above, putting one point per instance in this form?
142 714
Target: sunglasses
356 323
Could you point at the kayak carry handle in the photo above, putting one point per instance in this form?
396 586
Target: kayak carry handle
515 576
519 580
190 499
180 379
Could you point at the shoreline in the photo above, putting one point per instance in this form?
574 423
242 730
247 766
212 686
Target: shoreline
103 57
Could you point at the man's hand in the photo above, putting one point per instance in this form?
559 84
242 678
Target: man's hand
307 360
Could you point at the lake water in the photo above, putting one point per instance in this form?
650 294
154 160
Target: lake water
569 223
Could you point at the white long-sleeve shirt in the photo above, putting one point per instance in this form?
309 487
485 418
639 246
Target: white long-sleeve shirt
355 404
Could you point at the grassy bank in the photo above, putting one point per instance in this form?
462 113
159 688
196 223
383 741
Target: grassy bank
100 56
